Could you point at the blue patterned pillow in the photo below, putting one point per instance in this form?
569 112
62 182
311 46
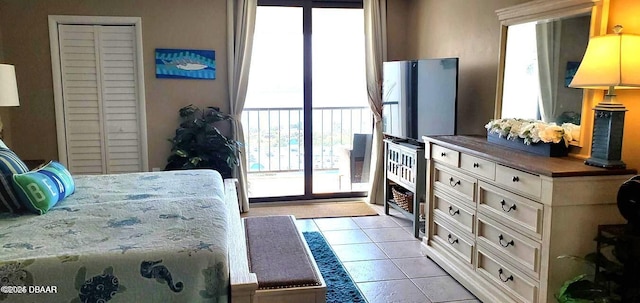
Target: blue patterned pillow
10 164
9 202
41 189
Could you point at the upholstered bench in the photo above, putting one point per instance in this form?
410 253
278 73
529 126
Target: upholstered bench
282 262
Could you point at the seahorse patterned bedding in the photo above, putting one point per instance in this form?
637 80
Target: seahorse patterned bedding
143 237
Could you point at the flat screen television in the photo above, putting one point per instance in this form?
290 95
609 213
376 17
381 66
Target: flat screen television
419 98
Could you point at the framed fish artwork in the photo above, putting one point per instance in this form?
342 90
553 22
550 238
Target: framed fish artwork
572 68
185 64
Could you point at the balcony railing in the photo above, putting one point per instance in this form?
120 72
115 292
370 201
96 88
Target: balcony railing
274 137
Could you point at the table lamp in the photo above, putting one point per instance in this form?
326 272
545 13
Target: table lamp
8 88
610 62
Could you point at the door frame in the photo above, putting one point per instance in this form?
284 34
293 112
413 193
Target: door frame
307 12
56 70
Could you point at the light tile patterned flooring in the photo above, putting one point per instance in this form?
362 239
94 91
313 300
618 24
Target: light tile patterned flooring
384 259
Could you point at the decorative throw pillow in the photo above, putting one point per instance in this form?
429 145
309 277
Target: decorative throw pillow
10 164
41 189
9 201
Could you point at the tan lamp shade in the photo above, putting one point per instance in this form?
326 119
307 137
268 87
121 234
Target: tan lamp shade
610 61
8 86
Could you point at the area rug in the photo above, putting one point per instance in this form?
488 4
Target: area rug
313 210
340 287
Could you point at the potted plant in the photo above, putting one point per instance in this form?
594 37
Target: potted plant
198 143
604 282
534 136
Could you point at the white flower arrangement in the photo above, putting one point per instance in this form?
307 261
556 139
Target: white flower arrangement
533 131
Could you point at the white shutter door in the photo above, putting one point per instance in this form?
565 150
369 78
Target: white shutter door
102 114
81 85
120 100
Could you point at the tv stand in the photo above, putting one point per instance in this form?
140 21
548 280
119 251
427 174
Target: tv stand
405 170
405 141
399 140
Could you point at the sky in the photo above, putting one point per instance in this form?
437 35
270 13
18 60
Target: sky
276 75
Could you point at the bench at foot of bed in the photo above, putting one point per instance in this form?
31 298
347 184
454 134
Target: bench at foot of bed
282 262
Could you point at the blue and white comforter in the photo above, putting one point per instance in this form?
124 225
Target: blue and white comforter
143 237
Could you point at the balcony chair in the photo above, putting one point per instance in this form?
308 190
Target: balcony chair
354 162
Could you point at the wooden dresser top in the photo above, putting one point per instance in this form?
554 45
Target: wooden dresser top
545 166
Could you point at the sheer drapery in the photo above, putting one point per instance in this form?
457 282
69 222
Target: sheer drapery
548 46
241 22
375 27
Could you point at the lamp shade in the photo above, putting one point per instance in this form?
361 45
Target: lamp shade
610 61
8 86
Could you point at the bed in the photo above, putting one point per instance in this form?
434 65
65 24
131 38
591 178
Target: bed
171 236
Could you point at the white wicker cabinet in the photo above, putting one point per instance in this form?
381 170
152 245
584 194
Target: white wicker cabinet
497 219
405 167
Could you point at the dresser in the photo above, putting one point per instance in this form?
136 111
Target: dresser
497 219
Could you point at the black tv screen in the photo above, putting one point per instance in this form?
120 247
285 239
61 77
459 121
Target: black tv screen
420 98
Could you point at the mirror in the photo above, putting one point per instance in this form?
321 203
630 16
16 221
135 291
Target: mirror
540 59
541 47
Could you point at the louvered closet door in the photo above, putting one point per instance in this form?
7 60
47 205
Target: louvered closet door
101 113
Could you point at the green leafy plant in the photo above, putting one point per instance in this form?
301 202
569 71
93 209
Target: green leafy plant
601 286
198 143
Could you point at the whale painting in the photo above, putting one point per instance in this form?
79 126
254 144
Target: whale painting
185 64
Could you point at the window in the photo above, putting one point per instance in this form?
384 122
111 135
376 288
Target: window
306 99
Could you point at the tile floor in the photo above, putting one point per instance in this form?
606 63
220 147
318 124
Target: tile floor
384 259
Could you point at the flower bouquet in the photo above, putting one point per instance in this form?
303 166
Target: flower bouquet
532 136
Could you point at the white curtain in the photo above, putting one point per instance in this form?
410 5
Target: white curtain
548 46
241 23
375 27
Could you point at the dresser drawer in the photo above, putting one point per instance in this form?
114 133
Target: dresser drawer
447 237
454 182
447 207
520 181
524 252
510 280
510 209
478 166
445 155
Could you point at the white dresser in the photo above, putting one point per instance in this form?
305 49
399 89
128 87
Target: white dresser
498 218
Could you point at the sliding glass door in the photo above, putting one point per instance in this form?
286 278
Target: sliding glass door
273 118
306 102
339 101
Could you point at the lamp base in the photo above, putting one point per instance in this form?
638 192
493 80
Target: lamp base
608 127
605 163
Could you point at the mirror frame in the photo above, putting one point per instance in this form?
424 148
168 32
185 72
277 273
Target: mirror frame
540 10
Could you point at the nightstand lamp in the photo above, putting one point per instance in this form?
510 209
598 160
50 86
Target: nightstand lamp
610 62
8 88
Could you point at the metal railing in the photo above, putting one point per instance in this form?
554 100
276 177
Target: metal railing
274 137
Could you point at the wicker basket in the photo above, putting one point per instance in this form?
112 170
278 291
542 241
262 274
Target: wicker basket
403 199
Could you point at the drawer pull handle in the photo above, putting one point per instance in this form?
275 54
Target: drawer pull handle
443 154
501 274
453 213
512 207
450 238
453 184
501 240
515 179
476 165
